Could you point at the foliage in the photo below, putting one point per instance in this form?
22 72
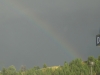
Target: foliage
75 67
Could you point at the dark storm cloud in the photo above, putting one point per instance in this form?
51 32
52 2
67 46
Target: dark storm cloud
23 42
76 20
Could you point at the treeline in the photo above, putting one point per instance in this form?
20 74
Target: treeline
75 67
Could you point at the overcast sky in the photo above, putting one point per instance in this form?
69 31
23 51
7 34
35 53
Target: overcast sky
34 32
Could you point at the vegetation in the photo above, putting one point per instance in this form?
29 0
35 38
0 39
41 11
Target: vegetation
75 67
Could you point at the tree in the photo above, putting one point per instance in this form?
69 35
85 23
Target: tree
44 66
99 58
91 59
36 67
12 68
4 71
23 68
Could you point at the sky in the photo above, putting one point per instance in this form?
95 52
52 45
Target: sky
37 32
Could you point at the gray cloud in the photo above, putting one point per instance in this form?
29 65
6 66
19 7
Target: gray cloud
23 42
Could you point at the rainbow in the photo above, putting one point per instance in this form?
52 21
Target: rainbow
31 15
